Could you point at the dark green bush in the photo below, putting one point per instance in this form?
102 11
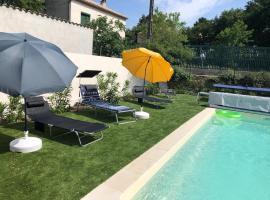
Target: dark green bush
191 84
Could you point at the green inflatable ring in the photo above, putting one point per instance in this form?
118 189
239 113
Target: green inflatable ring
228 114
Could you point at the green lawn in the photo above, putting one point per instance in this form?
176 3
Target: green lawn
63 170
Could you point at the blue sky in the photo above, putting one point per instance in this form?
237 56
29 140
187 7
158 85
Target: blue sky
190 10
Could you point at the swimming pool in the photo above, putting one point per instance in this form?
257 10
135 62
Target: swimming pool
227 159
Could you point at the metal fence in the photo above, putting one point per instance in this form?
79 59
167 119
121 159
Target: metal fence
224 58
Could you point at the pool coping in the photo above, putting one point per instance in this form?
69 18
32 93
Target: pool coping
130 179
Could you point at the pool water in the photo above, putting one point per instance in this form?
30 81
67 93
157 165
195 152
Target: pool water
227 159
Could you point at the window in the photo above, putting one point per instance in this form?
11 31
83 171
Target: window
85 18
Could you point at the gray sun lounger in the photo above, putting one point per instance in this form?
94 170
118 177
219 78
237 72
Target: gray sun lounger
163 89
140 94
90 96
38 111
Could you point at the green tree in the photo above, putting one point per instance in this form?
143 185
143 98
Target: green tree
228 19
168 37
107 40
258 18
237 35
35 5
203 32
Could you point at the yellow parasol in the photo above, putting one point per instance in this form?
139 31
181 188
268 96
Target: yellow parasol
147 65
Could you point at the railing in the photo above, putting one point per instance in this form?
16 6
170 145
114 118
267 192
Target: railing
224 58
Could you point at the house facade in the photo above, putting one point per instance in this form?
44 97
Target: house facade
82 11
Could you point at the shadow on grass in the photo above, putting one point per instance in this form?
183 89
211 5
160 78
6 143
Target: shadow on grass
4 142
103 116
146 104
57 134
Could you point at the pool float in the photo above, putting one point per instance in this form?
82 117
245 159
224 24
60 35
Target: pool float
228 114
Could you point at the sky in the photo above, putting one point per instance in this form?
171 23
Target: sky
190 10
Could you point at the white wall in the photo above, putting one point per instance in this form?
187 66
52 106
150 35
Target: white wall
68 37
105 64
90 62
76 8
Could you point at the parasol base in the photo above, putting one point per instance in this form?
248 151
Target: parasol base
25 144
142 115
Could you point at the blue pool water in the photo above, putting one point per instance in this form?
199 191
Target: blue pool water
227 159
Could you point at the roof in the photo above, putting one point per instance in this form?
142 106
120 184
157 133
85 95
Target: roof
41 14
102 8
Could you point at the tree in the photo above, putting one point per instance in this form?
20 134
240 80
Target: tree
203 32
227 19
258 18
168 37
107 40
35 5
237 35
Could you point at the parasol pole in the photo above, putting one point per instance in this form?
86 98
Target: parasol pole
25 120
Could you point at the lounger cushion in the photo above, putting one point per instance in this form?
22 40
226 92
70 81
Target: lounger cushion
35 104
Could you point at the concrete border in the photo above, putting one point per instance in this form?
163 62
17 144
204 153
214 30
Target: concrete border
130 179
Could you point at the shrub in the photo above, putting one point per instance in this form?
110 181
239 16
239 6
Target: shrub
184 83
2 109
125 90
60 101
180 79
14 110
109 87
152 88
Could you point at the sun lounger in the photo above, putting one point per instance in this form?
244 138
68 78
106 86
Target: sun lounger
90 96
39 112
140 94
163 89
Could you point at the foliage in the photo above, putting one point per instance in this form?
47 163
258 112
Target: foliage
168 37
152 88
109 87
203 32
35 5
180 77
237 35
14 110
257 17
192 84
107 40
60 101
125 90
2 109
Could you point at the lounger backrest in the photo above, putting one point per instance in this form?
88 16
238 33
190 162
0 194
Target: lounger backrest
89 93
138 91
36 106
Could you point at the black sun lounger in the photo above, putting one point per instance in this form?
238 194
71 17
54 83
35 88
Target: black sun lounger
140 94
90 97
39 112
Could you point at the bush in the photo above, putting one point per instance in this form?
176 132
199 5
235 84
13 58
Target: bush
184 83
60 101
2 109
13 112
152 88
109 87
125 90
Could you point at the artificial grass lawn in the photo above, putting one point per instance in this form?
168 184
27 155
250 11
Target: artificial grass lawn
63 170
